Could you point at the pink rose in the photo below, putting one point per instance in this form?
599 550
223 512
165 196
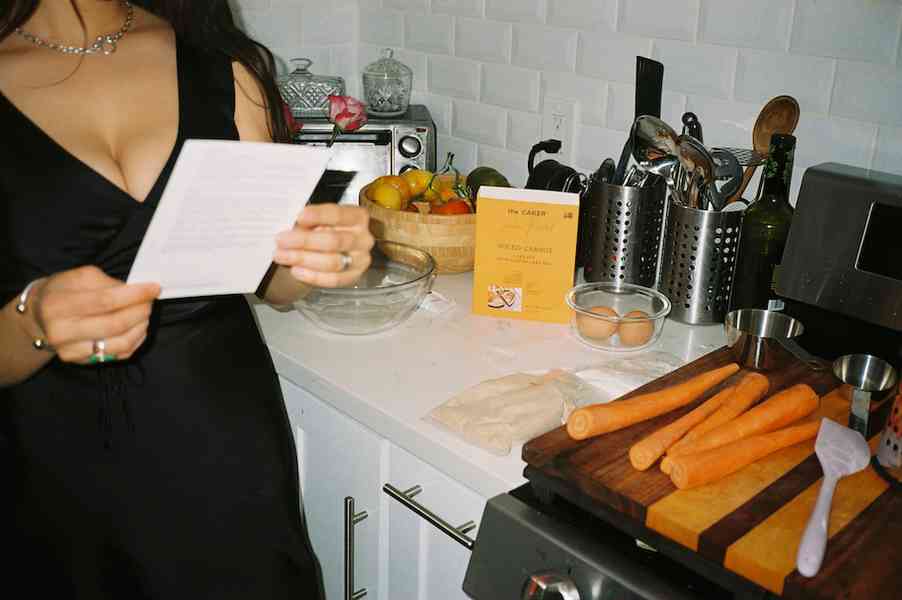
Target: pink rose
347 113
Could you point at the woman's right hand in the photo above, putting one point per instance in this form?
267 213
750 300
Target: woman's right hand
75 308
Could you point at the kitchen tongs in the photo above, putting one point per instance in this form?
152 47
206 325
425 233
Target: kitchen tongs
649 89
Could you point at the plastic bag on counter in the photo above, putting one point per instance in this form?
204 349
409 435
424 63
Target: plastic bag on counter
498 413
618 375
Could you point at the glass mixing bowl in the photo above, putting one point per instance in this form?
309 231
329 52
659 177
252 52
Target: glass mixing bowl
387 294
603 315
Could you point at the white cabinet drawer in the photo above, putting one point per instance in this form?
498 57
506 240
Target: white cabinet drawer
425 563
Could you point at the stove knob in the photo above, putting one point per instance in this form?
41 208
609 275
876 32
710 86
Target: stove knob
409 146
549 586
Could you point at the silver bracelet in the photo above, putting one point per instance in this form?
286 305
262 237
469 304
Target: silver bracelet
39 343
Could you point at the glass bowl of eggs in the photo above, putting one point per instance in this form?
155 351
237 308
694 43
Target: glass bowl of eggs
616 316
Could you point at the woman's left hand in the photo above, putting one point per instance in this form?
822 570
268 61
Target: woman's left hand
329 245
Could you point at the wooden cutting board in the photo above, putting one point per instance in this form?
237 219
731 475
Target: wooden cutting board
751 521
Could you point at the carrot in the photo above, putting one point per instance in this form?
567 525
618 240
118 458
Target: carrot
692 470
645 452
596 419
778 411
750 389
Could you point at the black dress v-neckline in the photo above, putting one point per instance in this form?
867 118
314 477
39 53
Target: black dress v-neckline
154 192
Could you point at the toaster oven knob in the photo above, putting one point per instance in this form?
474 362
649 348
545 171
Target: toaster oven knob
549 586
409 146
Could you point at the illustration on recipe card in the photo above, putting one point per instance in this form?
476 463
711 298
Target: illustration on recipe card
505 298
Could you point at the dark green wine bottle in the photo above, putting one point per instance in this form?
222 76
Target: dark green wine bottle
765 227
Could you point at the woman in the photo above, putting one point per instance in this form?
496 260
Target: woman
145 445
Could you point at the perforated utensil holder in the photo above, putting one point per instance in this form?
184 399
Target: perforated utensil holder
624 225
697 262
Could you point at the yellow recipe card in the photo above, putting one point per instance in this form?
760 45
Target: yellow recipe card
525 253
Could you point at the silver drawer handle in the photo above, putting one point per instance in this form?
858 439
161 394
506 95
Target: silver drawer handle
351 519
458 534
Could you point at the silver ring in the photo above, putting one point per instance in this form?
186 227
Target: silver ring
99 347
346 261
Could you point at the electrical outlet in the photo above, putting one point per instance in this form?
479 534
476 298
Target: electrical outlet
558 118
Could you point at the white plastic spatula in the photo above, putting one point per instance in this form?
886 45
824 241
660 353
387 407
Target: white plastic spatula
841 451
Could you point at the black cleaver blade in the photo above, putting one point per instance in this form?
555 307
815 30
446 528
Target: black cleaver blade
331 186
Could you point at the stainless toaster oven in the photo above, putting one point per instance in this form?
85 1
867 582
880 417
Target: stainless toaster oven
384 146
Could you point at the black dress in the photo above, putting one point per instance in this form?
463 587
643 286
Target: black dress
172 474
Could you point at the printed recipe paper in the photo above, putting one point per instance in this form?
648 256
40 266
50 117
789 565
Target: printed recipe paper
214 229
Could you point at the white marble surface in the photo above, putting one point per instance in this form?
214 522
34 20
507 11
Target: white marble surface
389 381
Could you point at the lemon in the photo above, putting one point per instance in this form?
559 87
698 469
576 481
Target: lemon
417 179
387 196
400 184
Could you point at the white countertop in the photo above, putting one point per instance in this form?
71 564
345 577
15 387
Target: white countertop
389 381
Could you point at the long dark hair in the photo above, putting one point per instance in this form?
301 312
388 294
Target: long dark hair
208 24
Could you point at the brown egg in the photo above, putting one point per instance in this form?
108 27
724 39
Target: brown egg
636 334
597 329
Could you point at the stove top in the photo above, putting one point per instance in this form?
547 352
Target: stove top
533 546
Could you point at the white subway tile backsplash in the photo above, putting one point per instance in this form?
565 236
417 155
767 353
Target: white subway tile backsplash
428 33
610 56
281 32
868 92
381 27
462 8
479 123
672 19
327 24
512 87
831 139
762 75
439 107
526 11
757 24
590 93
888 157
406 5
724 123
511 164
594 144
479 39
523 130
544 47
344 64
583 14
841 59
453 77
673 105
847 29
696 69
464 152
622 107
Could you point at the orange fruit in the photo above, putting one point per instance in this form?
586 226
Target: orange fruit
417 179
400 184
387 196
447 195
453 207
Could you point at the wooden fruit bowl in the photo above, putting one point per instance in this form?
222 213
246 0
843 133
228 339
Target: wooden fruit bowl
450 239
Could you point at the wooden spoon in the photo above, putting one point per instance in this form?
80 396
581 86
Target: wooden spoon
779 115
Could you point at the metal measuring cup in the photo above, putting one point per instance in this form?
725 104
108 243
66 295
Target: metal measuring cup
763 339
867 376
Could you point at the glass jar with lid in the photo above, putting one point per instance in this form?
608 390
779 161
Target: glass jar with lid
386 86
306 94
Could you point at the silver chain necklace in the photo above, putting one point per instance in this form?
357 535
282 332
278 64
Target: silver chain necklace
105 44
